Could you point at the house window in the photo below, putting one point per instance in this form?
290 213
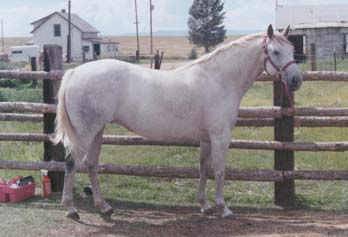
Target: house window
17 52
56 29
86 48
109 48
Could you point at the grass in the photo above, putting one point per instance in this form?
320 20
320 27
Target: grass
322 195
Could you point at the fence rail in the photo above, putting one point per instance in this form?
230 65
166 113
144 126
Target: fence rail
236 144
278 116
244 111
54 75
310 122
188 173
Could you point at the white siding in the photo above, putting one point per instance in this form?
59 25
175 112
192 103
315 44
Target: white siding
45 35
89 54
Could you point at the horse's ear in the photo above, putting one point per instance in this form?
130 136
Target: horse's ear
286 31
270 31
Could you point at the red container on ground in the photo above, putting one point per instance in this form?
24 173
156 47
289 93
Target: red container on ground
3 194
8 194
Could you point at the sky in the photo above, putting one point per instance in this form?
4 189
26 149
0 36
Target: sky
117 17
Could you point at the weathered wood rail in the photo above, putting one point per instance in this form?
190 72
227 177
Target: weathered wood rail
188 173
235 144
278 116
57 75
244 111
241 122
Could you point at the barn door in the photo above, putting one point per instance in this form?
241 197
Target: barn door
298 42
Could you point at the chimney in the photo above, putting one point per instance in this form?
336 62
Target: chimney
63 11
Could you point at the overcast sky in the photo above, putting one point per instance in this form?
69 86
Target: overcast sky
116 17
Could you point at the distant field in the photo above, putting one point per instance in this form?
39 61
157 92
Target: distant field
173 46
15 41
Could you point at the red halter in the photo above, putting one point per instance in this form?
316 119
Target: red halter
268 58
279 70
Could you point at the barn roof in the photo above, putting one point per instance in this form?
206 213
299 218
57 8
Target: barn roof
76 21
311 16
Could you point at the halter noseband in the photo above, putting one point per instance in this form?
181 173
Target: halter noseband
268 58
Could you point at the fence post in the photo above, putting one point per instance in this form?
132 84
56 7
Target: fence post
313 57
33 68
284 192
53 60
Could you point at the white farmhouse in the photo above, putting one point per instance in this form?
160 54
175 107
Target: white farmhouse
85 39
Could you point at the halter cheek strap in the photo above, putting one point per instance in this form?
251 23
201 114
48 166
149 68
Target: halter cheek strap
279 70
269 59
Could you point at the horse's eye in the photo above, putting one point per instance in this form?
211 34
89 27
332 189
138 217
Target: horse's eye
276 52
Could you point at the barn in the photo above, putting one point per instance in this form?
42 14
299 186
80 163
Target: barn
326 26
85 39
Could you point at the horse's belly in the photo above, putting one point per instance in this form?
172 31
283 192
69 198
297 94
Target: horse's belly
164 129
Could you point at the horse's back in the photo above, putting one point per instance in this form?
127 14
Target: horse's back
155 104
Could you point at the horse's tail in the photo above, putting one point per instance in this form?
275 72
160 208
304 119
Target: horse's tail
64 131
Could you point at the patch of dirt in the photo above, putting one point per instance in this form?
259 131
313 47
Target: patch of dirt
133 219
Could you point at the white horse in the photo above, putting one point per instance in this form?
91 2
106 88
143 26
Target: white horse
196 102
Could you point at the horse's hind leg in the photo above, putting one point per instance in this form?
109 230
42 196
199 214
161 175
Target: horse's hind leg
205 162
91 162
70 169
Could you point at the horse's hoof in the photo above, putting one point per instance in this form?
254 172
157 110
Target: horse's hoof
108 212
228 215
208 211
73 215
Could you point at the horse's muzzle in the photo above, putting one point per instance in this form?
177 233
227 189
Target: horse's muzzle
295 83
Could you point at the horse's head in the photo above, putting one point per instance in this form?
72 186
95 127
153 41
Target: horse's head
279 58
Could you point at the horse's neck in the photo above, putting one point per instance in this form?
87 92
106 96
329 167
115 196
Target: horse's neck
239 65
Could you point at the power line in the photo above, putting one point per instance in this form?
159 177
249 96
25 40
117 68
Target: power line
152 7
137 29
2 36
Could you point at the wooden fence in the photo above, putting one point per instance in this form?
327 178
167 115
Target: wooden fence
278 116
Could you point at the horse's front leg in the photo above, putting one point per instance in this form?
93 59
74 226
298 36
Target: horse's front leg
220 144
205 163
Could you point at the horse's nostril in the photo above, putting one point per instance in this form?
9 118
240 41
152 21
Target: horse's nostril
294 80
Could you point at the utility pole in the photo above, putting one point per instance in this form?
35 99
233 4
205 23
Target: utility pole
2 36
69 34
152 7
136 24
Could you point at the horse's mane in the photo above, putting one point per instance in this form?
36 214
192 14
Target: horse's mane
235 43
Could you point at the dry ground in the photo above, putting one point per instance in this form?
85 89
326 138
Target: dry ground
46 218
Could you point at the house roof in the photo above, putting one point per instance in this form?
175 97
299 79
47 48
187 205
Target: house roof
76 21
103 41
321 25
311 16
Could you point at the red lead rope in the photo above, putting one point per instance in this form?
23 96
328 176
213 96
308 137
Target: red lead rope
280 71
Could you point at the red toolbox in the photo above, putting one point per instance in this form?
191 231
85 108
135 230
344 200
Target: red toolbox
8 194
